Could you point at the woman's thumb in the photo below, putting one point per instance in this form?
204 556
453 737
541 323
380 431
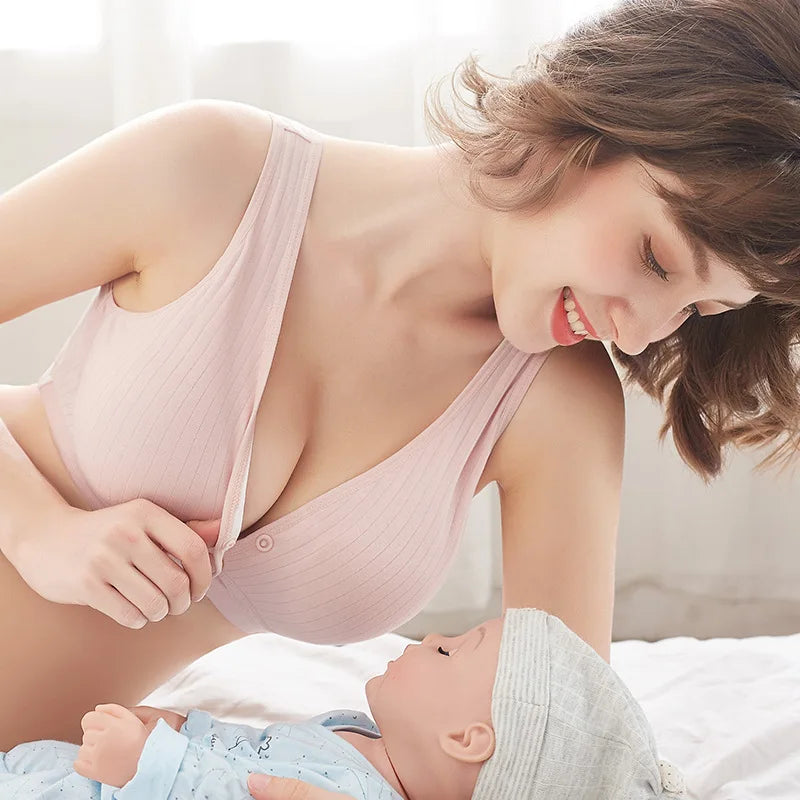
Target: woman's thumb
272 787
207 530
267 787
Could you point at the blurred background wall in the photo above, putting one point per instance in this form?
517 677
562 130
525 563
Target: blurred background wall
693 560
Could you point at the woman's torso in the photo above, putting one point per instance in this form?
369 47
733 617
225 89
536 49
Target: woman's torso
304 440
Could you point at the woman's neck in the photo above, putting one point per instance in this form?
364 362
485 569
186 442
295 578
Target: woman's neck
402 221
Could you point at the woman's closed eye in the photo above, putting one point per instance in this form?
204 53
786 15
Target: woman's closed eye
651 266
443 652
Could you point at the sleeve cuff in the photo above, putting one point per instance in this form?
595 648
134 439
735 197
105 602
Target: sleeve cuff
158 766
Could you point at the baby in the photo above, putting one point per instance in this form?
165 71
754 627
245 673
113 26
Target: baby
518 708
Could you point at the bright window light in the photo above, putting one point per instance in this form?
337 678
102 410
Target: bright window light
50 24
576 10
362 22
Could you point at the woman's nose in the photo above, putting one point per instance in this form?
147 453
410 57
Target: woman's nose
637 331
631 345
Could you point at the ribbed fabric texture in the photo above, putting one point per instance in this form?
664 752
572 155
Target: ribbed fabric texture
162 405
566 726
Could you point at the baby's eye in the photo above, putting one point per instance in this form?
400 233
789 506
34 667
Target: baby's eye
444 652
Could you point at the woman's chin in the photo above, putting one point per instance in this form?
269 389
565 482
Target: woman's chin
521 333
530 343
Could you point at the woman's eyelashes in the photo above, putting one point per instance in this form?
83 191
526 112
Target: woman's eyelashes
651 266
444 652
650 263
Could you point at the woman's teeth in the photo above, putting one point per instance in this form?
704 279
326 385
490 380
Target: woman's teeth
573 317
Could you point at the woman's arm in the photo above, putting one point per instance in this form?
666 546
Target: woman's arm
559 470
69 555
128 200
25 496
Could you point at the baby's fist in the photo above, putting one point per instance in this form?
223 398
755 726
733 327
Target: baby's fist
113 739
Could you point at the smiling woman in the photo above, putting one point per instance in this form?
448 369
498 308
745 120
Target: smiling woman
307 353
691 170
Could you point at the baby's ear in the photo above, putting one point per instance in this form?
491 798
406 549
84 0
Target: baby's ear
473 744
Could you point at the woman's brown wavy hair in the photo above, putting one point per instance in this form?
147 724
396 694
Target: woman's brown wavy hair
709 90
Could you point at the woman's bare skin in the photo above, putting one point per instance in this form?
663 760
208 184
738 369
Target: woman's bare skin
66 659
60 660
401 290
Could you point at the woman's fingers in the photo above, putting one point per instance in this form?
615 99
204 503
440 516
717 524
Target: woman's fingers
271 787
207 530
107 600
180 541
166 578
140 591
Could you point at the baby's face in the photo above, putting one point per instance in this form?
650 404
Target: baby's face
442 679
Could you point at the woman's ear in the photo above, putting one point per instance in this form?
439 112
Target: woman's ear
474 744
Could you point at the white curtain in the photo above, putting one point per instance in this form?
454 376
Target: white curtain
691 559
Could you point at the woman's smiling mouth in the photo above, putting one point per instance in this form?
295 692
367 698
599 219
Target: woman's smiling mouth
569 323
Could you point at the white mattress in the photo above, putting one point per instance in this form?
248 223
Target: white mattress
726 711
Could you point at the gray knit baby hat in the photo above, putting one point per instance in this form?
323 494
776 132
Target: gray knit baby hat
566 726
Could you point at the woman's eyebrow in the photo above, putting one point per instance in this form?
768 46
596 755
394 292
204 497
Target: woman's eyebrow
700 260
702 269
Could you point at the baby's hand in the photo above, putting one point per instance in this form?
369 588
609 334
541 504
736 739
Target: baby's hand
150 716
113 739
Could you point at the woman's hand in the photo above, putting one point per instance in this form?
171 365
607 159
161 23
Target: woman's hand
133 562
289 789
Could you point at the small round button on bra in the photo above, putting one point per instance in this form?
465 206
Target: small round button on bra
264 542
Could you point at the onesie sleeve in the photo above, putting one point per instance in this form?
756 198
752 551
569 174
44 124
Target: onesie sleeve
161 758
173 764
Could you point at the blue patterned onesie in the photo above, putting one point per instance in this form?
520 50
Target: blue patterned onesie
207 760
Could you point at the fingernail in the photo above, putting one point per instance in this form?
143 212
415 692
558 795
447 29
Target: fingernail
258 781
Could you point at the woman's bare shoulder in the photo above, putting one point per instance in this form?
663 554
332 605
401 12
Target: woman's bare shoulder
126 201
219 151
575 399
218 157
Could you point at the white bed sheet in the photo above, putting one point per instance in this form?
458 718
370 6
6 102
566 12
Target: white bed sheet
726 711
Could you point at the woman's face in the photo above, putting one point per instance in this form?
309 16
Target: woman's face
593 241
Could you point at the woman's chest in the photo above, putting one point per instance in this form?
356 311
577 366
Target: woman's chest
332 408
162 410
335 407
